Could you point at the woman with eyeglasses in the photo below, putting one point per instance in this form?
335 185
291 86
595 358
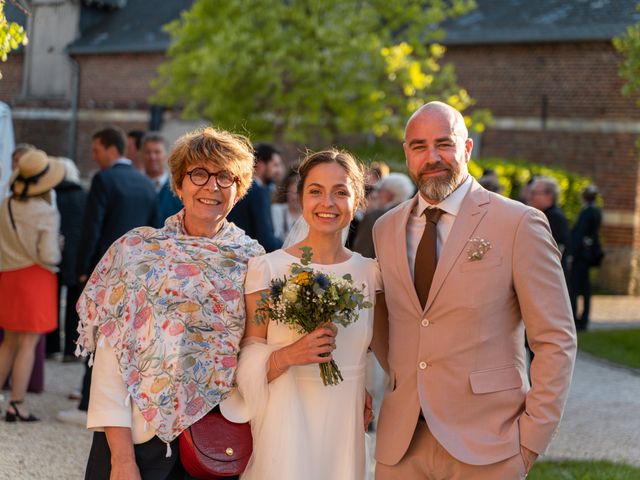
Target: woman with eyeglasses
163 314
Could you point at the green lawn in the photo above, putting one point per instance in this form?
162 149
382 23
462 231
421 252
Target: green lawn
582 470
619 346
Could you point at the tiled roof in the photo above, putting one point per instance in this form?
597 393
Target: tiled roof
521 21
14 14
109 4
135 27
119 26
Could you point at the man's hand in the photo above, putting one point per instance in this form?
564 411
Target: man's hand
368 409
83 278
528 456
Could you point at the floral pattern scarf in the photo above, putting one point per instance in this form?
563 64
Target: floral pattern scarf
172 307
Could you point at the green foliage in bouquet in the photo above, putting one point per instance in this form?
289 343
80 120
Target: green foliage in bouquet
307 299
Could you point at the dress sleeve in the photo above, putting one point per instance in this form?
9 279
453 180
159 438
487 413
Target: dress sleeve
108 406
258 275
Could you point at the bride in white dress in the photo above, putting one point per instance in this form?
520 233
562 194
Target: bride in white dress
301 428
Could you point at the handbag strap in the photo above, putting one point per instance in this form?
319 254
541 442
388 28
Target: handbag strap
13 222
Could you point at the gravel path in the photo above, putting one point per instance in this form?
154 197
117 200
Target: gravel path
46 449
601 420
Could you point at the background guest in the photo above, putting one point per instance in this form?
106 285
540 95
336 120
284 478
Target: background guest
71 200
489 180
286 208
133 151
154 155
393 189
543 195
253 212
376 172
584 252
20 150
29 255
120 198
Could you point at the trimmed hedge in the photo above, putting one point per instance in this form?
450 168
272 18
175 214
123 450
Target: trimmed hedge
514 174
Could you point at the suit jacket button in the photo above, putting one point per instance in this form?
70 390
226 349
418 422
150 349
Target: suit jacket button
425 322
422 365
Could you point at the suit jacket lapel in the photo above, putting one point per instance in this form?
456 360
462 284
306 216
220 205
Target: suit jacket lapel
472 210
401 254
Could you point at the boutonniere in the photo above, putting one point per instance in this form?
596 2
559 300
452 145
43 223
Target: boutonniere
478 247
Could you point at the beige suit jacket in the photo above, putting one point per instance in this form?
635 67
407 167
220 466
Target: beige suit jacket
461 359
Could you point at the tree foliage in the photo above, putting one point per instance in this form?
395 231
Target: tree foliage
12 35
628 44
310 70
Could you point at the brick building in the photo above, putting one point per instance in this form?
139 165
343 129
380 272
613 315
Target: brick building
549 74
546 70
93 69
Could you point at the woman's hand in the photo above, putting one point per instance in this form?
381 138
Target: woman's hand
314 347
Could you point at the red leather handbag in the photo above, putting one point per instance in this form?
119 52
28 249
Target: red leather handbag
214 448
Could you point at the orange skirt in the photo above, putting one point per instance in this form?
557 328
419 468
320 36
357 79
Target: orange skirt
29 300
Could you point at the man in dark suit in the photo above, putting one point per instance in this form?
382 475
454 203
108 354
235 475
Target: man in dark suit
133 150
584 252
253 212
543 195
154 155
120 198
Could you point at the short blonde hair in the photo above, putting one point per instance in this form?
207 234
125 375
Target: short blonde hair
224 150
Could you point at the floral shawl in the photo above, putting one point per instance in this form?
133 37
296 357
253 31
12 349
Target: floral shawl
172 307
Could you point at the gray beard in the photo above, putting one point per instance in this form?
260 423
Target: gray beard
437 189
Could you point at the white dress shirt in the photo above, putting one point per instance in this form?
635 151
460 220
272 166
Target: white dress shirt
158 182
123 161
450 207
109 402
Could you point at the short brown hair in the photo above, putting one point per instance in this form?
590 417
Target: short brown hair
351 166
225 150
111 137
155 137
379 169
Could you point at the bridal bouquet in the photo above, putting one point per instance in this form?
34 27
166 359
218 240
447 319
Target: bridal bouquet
306 299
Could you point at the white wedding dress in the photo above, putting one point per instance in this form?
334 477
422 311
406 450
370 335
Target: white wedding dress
302 429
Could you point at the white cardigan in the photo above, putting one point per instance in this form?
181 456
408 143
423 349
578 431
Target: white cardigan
35 240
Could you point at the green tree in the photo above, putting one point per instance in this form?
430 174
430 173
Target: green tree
310 71
12 35
628 44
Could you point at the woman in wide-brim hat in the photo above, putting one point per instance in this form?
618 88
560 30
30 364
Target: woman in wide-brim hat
29 255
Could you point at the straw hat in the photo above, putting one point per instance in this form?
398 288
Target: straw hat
36 174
